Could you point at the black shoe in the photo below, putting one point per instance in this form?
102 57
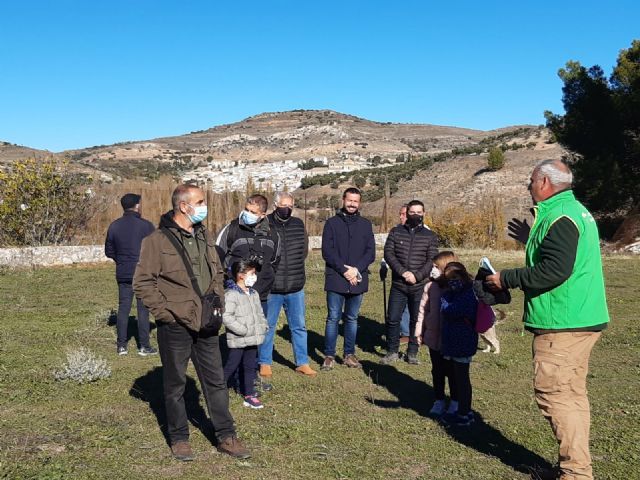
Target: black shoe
146 351
412 359
122 351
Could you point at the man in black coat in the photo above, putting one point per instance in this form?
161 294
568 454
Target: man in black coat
409 251
287 291
348 248
122 244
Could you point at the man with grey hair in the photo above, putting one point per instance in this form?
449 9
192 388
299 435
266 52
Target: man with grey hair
287 291
178 266
565 308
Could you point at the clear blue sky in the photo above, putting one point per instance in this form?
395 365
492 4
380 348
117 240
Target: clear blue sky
81 73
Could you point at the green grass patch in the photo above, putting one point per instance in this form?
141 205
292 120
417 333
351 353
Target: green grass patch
361 424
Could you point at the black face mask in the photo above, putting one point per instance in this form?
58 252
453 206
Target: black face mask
414 220
284 212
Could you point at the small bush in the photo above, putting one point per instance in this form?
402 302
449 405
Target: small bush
83 367
496 159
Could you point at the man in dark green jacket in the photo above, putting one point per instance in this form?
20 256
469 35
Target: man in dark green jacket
565 308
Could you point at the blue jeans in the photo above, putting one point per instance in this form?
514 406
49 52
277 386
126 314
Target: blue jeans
294 309
404 323
335 304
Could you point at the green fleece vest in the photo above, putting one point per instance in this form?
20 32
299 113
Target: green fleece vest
580 301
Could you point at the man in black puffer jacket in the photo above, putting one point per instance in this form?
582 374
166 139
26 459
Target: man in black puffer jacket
287 290
409 251
124 238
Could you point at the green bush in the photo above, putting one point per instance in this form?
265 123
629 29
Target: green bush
496 159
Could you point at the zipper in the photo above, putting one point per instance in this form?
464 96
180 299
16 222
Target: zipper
412 233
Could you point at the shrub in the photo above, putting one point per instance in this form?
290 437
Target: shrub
44 203
83 367
496 159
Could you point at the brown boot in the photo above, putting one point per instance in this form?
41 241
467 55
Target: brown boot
328 364
232 446
351 361
265 371
306 370
181 450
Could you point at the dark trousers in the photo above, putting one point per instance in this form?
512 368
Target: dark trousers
441 369
463 386
177 345
125 299
398 300
244 360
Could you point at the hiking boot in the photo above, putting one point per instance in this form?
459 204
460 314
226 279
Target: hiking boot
412 359
390 358
232 446
122 350
306 370
328 364
182 451
351 361
438 409
252 401
146 351
265 371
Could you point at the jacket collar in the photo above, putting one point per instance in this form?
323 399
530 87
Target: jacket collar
130 213
555 199
167 221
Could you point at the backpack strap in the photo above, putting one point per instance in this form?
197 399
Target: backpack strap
187 263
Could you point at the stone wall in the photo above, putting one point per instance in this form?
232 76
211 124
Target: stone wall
67 255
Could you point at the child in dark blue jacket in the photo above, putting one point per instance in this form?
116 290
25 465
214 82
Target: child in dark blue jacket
458 307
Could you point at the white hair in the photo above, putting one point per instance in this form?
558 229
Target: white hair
557 177
280 195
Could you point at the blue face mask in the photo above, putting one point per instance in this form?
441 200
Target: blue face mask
249 218
455 285
199 214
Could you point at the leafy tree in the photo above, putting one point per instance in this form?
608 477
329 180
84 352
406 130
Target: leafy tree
43 203
496 159
359 181
601 129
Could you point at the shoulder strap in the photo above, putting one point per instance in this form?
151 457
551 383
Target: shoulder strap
232 232
180 249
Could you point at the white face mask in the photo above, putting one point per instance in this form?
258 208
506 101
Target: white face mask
250 280
435 272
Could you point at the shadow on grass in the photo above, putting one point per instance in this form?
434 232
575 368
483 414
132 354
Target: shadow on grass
315 343
148 388
484 438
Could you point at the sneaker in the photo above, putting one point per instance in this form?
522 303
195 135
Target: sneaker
453 407
438 408
456 420
306 370
122 351
412 359
351 361
390 358
252 401
146 351
265 371
232 446
328 364
182 451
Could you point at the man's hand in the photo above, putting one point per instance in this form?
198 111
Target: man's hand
409 277
493 282
351 274
519 230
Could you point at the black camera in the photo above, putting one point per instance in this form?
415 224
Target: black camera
257 259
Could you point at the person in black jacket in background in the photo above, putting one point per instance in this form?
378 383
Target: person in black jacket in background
287 290
409 252
124 238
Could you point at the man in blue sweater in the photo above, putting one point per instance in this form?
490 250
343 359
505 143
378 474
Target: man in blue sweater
124 238
348 248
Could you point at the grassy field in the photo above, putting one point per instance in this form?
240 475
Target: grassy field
361 424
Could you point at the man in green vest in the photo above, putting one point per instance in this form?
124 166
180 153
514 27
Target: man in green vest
565 308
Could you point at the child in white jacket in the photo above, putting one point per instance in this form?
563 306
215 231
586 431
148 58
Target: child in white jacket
245 326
